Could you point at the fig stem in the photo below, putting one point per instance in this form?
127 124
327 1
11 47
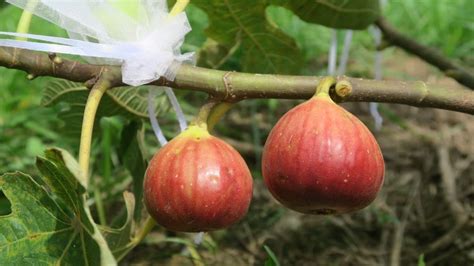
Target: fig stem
203 115
210 113
325 84
217 113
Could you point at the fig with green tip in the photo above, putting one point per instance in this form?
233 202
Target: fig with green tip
197 182
321 159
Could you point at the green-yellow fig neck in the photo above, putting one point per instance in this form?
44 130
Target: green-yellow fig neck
195 132
210 113
322 90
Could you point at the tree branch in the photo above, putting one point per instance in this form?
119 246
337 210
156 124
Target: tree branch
234 86
426 53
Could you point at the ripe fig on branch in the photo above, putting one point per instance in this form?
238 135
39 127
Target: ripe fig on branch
321 159
197 182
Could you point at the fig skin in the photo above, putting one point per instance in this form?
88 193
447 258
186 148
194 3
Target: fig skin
321 159
196 183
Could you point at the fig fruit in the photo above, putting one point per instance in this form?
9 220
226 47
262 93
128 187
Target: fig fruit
197 182
321 159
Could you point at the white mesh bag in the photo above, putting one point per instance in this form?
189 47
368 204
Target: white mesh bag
139 35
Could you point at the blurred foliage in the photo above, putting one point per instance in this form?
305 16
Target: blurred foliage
338 14
443 24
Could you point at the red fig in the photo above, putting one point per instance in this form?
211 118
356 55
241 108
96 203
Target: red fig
321 159
197 182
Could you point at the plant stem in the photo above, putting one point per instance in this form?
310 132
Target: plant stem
197 260
99 205
24 24
146 228
25 19
201 119
217 112
324 86
210 113
178 7
90 111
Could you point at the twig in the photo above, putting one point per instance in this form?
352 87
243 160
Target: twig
400 227
251 86
426 53
448 179
445 239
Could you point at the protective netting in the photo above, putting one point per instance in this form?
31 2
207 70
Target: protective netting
139 35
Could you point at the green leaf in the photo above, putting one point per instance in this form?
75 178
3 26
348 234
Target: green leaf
131 156
272 260
129 102
50 223
340 14
120 240
266 48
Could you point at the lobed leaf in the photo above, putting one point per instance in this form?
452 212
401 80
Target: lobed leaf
119 240
266 48
339 14
131 156
49 223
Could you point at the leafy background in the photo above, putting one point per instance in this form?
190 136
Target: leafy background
265 36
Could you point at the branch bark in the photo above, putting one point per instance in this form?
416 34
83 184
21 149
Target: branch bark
234 86
426 53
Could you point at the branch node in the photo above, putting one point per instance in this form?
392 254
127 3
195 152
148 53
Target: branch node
228 86
58 60
91 82
424 92
55 58
343 88
51 56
